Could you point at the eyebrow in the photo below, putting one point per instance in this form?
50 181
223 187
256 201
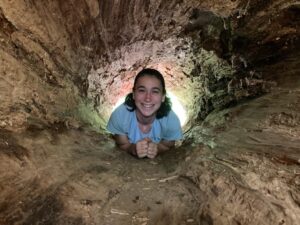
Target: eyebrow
154 88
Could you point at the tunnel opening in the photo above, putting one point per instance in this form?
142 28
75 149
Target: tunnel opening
198 79
234 67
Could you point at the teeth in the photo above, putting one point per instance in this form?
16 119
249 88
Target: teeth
147 106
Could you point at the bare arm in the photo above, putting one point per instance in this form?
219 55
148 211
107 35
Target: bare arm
124 144
155 148
139 149
165 145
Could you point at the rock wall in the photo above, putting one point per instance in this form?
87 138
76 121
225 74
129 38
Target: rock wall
44 61
63 64
58 52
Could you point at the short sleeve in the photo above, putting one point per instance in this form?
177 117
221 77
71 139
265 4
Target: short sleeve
117 121
172 128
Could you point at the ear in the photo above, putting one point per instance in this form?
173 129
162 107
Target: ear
163 98
133 94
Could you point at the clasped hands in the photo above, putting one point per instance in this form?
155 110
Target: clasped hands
146 148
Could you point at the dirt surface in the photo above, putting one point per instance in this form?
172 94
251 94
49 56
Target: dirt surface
250 174
77 177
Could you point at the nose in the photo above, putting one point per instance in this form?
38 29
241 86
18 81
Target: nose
148 96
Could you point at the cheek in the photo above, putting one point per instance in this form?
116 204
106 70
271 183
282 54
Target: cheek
137 97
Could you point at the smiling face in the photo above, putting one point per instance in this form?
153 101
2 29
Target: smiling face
148 96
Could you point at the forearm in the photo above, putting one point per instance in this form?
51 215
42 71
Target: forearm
164 146
128 147
123 143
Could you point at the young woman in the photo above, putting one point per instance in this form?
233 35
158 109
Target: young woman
144 125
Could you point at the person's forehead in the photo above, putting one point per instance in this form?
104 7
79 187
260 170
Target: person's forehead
147 80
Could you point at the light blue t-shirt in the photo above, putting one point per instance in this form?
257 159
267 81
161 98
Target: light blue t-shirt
124 122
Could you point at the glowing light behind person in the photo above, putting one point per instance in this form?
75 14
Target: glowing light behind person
178 108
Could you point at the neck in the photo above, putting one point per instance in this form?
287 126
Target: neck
144 120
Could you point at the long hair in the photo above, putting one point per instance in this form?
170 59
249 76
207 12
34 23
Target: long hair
165 106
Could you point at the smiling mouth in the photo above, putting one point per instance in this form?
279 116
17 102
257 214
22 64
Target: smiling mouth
147 106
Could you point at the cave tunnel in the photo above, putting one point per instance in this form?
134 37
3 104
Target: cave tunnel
234 65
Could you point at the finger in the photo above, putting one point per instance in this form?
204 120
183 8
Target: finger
142 150
151 155
152 150
147 139
142 154
144 144
152 147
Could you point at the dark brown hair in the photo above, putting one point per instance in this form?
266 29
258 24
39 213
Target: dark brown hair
165 106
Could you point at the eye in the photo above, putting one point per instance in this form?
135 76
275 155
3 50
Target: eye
140 90
156 91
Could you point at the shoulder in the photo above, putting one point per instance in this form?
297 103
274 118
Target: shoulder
171 121
119 120
171 117
122 114
171 127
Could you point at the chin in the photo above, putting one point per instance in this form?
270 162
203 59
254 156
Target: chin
148 114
